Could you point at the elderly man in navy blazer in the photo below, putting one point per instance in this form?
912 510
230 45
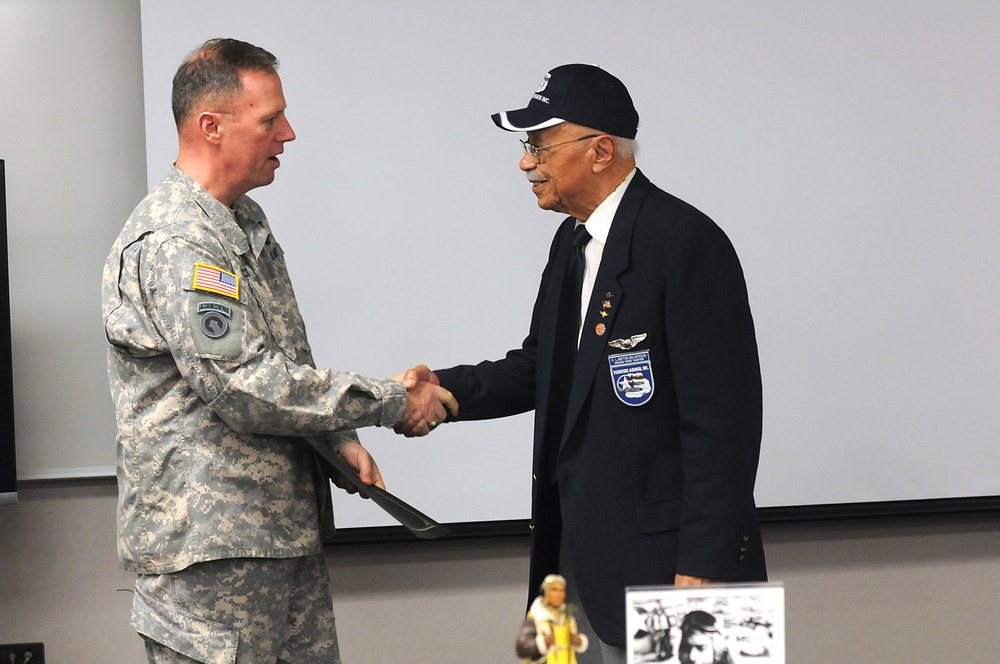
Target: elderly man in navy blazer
642 372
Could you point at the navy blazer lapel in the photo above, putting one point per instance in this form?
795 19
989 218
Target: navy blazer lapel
607 290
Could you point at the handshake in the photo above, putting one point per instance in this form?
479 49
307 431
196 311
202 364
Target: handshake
426 401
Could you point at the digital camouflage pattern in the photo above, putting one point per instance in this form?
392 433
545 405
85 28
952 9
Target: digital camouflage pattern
239 610
214 384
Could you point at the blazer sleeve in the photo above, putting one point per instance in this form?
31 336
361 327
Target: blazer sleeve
713 352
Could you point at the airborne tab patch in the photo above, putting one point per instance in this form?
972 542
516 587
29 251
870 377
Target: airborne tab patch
216 280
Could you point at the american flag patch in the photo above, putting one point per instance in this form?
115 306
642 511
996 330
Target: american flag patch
216 280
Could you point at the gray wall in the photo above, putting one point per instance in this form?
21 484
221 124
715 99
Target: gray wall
807 130
907 590
71 134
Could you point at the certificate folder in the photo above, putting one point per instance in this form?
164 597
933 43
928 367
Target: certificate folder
415 521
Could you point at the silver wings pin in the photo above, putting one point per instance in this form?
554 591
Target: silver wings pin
627 344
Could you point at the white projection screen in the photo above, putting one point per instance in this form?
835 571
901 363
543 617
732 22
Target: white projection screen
850 150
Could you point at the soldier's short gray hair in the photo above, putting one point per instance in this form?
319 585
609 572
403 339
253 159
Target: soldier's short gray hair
213 70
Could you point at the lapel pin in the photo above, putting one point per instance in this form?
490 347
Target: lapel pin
601 329
627 344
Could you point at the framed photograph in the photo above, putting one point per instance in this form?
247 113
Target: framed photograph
716 624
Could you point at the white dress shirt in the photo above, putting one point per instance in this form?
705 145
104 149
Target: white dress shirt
598 225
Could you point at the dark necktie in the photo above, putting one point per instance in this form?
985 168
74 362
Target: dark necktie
566 342
577 263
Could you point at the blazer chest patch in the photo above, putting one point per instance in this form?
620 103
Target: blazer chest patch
632 377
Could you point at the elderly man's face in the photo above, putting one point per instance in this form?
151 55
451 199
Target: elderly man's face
561 178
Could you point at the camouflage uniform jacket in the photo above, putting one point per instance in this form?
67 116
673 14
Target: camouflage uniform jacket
214 386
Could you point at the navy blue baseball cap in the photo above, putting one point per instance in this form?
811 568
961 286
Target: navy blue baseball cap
582 94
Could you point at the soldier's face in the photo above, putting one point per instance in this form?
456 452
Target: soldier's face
253 131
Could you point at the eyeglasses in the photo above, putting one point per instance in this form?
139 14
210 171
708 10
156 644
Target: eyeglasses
533 150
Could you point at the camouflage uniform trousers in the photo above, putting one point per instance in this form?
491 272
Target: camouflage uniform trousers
239 611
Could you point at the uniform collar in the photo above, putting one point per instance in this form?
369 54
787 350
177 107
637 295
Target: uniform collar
221 216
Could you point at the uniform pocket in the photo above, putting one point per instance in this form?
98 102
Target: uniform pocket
200 639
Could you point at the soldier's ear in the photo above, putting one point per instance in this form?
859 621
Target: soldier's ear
208 126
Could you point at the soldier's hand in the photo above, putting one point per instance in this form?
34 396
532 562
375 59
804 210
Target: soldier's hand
361 460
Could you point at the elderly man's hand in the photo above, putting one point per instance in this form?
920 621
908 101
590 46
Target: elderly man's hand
685 580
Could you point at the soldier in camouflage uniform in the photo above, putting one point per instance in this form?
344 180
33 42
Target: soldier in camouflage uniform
222 504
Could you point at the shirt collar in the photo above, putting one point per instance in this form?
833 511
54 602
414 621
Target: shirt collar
599 223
